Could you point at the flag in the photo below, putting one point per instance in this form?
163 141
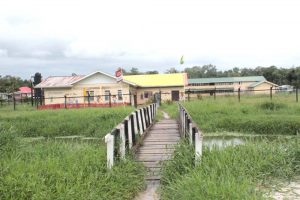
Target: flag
119 75
181 60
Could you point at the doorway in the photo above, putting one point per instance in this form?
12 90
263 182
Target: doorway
175 95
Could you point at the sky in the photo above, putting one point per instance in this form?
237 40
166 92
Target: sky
61 37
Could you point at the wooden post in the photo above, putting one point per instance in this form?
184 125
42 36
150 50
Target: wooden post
239 94
215 93
65 101
296 94
271 88
31 91
189 94
110 140
123 140
159 97
109 96
89 103
14 100
198 146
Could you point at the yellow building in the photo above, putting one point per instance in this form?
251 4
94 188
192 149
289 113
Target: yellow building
100 88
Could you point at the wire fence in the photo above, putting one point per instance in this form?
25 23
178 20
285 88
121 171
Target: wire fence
272 93
113 100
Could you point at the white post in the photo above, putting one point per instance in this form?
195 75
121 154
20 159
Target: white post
129 132
140 122
143 118
150 114
135 128
122 142
183 122
109 140
198 146
191 133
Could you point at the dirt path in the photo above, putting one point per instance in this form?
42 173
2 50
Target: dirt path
288 191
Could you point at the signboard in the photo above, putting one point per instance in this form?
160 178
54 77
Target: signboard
119 75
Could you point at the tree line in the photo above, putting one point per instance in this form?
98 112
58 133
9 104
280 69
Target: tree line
280 76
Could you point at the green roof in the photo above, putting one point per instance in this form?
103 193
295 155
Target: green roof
227 79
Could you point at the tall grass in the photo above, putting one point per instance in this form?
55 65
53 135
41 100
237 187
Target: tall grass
252 115
49 123
51 169
237 172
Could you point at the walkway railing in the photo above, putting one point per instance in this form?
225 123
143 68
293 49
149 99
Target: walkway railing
125 135
190 130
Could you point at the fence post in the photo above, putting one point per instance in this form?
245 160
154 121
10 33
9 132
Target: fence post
239 94
37 102
271 88
296 94
198 146
135 129
109 96
31 94
143 119
123 140
110 140
159 97
129 129
150 114
189 95
65 101
215 93
14 99
191 133
89 103
139 115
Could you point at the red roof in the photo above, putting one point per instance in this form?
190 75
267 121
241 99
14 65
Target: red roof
25 89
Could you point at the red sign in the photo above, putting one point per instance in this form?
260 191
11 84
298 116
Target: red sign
118 74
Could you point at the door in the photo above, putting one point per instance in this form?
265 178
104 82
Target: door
175 95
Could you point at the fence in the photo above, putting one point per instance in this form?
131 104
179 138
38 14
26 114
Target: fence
190 130
272 92
125 136
109 100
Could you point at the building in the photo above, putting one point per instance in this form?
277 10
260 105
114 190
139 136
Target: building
101 89
23 93
228 85
285 88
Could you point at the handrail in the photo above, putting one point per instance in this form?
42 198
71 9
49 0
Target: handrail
190 130
124 136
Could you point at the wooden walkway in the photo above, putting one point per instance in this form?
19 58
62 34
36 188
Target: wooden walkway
158 146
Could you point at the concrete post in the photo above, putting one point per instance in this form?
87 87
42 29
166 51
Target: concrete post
135 128
198 146
109 140
140 122
150 114
191 133
123 140
129 132
143 118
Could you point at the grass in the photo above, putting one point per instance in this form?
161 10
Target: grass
237 172
94 122
256 115
48 168
52 169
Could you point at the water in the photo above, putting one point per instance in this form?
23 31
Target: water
222 141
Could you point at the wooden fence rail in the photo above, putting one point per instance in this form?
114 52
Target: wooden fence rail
125 135
189 129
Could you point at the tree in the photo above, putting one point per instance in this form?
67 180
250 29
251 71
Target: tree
9 84
152 72
36 80
172 70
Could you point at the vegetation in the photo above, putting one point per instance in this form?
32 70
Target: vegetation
94 122
254 114
51 169
236 172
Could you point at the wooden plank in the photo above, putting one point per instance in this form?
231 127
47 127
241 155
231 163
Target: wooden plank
161 146
155 151
159 143
153 178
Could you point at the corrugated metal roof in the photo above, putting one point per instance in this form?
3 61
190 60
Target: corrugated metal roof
227 79
258 83
158 80
58 81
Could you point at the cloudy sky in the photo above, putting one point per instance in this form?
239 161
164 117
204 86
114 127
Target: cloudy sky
60 37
